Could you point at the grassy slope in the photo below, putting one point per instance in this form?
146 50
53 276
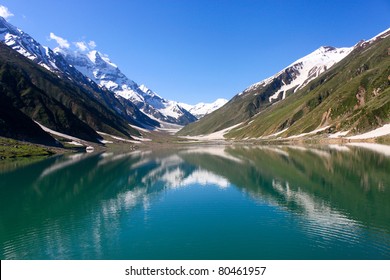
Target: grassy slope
10 148
328 100
366 71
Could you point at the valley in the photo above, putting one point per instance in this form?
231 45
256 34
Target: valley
74 99
195 130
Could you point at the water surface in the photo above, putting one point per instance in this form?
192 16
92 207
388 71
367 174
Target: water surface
267 202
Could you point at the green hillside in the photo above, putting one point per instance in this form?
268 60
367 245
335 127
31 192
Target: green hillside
353 95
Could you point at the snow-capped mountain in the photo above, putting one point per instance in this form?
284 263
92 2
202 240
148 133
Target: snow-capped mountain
261 95
334 74
100 69
56 63
301 72
44 56
96 71
201 109
165 110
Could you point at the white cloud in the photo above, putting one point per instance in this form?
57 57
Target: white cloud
92 44
63 43
5 13
82 46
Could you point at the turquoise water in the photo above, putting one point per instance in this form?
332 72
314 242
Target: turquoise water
284 202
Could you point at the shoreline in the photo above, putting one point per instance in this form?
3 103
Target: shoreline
11 149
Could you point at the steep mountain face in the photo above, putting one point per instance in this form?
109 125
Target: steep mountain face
262 109
43 56
15 124
58 104
162 109
100 69
202 109
57 64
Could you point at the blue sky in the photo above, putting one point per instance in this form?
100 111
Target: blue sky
197 51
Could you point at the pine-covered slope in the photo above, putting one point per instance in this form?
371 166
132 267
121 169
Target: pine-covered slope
295 97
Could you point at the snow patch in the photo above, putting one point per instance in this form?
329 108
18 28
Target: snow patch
105 142
138 128
117 138
381 131
66 136
218 135
338 134
75 143
274 134
309 133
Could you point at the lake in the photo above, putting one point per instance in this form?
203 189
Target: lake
204 202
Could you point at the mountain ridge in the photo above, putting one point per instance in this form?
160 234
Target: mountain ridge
202 109
250 105
66 64
351 98
56 103
87 91
102 71
54 62
304 70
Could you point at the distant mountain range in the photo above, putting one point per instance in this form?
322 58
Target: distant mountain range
101 70
95 70
332 90
202 109
110 101
82 94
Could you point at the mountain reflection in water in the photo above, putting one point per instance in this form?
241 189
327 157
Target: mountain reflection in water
234 202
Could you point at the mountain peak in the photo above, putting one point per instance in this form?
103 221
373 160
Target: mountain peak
98 67
302 71
201 109
98 58
93 56
333 102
